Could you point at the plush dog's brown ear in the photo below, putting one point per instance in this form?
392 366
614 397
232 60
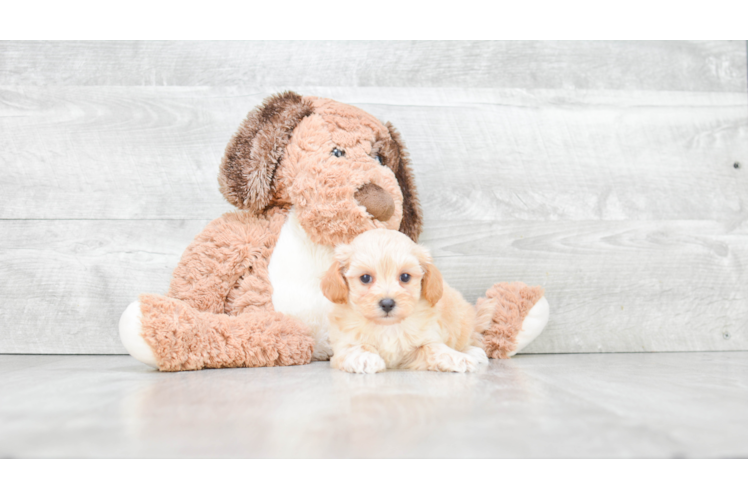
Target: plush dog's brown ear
432 285
396 157
251 157
334 285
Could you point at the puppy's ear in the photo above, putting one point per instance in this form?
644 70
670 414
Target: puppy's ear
396 157
248 165
334 285
432 285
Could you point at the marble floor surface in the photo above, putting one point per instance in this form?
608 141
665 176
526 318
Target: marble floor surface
570 405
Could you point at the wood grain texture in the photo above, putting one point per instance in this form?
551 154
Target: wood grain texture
669 65
603 171
152 153
66 283
613 286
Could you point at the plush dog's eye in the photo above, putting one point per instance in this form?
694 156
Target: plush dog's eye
405 277
338 152
365 279
380 159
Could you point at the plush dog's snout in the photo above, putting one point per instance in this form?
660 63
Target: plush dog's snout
377 201
387 305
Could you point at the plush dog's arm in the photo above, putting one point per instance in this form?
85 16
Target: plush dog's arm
229 248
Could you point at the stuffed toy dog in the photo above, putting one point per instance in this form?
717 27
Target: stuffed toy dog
306 174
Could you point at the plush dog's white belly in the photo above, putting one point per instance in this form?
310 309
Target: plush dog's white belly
295 271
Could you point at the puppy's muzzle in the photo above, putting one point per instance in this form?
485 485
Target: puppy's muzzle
376 200
387 305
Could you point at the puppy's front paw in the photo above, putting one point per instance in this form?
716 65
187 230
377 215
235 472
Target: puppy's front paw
454 361
478 354
360 361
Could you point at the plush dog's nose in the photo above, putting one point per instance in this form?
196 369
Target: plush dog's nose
387 305
376 200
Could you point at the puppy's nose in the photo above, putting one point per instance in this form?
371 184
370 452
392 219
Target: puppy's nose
376 200
387 305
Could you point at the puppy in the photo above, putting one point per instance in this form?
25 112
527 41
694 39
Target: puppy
392 310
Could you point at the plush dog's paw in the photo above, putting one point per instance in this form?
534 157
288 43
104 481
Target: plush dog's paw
532 325
478 354
361 361
130 333
520 315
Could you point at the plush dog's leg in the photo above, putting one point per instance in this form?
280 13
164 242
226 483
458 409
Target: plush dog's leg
520 313
224 269
358 359
179 337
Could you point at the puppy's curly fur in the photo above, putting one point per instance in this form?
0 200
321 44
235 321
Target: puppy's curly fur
393 309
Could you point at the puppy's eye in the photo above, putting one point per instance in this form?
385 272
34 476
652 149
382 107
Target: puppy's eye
338 152
405 277
365 279
380 159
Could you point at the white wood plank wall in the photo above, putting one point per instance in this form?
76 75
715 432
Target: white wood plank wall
601 170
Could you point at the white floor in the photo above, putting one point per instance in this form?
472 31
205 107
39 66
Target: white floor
574 405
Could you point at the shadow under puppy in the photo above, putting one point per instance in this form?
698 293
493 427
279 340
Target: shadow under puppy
393 310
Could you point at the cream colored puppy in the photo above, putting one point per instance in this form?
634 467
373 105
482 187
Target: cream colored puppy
392 309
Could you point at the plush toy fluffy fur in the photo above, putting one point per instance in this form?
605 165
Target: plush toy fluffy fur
393 310
306 174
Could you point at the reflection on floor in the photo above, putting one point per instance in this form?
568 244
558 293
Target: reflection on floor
573 405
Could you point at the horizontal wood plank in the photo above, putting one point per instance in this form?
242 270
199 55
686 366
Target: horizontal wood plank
613 286
601 170
152 153
66 283
715 66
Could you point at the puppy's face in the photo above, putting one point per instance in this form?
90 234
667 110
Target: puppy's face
382 275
